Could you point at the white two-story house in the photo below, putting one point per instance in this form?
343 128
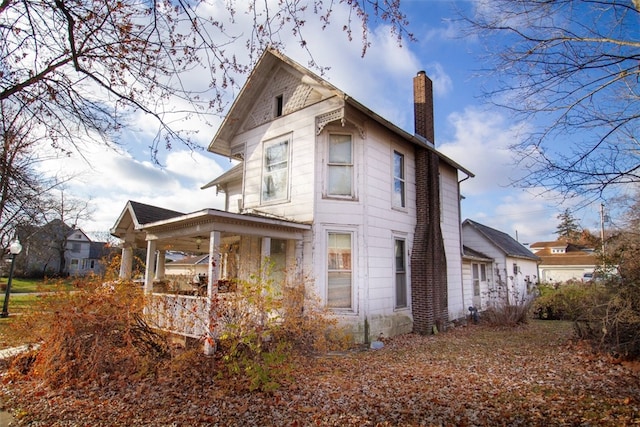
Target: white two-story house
338 198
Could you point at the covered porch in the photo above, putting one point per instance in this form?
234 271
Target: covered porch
237 246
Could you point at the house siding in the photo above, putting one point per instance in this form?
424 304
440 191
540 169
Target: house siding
298 127
375 223
450 224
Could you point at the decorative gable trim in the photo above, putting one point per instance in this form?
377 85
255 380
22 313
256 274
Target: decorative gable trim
332 116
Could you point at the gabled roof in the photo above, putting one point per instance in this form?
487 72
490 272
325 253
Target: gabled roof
266 66
501 240
147 213
74 231
135 214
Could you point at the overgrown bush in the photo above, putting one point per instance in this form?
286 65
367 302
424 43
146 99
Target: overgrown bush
613 325
93 333
568 301
262 328
98 333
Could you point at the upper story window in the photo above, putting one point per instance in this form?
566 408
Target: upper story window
278 106
340 166
75 247
398 180
275 171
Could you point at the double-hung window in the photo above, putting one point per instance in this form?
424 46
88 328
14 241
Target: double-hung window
398 180
400 273
340 166
339 268
476 279
275 171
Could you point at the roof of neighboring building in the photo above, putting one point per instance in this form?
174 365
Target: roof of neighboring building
503 241
574 255
472 254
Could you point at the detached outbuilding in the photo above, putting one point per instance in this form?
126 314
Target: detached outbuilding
496 267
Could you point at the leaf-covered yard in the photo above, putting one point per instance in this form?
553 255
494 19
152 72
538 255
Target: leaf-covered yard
531 375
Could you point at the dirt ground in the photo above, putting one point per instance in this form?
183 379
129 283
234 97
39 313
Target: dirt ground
534 375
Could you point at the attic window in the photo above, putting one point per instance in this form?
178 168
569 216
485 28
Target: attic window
279 105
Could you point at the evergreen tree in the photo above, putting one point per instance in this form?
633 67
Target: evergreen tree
568 229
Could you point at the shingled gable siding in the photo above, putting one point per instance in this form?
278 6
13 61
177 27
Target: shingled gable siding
428 260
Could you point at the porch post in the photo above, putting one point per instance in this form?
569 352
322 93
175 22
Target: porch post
212 287
150 266
265 252
126 261
160 264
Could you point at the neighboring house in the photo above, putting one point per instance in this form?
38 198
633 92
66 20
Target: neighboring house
562 261
56 248
329 191
188 266
82 256
499 267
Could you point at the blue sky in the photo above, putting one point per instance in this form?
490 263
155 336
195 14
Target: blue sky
468 130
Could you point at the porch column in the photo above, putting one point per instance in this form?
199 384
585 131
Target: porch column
265 252
214 263
150 266
160 264
126 261
212 287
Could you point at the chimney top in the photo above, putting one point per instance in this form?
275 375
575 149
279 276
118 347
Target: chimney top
423 106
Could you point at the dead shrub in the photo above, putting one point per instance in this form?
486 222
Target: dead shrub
93 333
262 327
507 314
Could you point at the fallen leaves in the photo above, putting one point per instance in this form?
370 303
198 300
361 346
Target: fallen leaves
468 376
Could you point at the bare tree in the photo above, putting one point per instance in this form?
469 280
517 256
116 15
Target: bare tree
22 188
570 69
79 68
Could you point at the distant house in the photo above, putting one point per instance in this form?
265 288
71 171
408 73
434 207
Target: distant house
56 248
188 266
82 256
562 261
496 266
326 189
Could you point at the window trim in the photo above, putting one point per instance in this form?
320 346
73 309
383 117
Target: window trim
328 165
402 179
264 173
352 235
395 274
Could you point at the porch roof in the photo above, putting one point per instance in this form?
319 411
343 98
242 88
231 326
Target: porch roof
190 232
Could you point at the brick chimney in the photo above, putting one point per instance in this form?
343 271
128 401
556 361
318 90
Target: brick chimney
428 259
423 106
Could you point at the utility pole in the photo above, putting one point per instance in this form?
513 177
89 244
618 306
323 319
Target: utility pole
602 227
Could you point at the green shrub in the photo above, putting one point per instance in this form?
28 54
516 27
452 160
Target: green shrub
568 301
